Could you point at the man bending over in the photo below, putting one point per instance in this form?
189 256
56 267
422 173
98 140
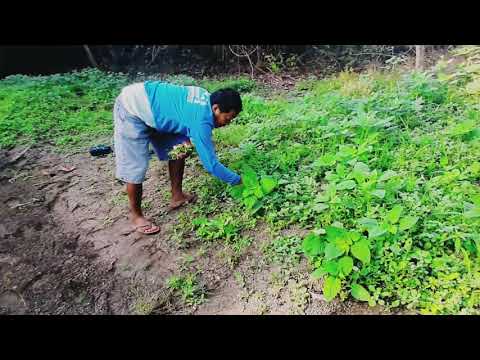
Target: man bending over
168 115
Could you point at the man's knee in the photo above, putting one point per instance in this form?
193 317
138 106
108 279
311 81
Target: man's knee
131 173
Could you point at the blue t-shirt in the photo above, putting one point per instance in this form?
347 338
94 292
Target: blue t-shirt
186 110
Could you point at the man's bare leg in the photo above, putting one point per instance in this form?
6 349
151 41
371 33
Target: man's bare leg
135 192
176 169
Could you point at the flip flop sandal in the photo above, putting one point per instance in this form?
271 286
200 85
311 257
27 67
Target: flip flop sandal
146 232
184 202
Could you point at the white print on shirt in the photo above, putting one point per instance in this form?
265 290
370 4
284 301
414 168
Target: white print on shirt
194 96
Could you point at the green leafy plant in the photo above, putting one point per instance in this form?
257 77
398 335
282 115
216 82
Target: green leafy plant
252 191
334 256
284 250
222 227
188 288
392 223
181 150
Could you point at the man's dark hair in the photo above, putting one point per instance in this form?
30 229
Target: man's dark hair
227 100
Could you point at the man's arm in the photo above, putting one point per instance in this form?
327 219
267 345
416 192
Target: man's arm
202 140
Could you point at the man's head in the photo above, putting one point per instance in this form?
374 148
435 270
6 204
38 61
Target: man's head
226 105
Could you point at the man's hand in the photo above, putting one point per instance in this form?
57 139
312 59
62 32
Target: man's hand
185 148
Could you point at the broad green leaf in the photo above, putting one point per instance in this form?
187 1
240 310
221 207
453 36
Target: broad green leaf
250 201
317 274
313 245
258 192
372 226
387 175
468 206
380 193
360 293
368 223
323 197
444 161
394 214
342 244
407 223
249 177
472 135
359 177
320 207
361 251
353 236
392 229
268 184
376 231
346 152
248 192
236 191
341 170
334 233
346 265
331 267
332 252
330 190
326 160
464 127
346 185
473 213
332 177
331 287
361 168
257 206
470 246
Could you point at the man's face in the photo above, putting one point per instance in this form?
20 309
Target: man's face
222 118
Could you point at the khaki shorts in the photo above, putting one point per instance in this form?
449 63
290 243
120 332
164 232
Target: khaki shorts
131 142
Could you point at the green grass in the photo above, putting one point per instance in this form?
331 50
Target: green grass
241 84
74 108
381 169
64 108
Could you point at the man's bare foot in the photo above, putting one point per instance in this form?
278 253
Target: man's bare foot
144 226
181 200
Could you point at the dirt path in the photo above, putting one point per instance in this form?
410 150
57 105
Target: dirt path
66 247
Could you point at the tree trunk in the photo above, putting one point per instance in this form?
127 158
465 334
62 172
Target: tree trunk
259 57
90 56
420 57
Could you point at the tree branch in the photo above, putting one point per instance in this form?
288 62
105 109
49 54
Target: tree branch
91 58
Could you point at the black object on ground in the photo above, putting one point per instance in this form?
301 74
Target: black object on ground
100 150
